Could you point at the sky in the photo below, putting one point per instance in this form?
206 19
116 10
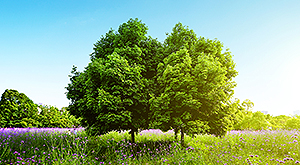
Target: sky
40 41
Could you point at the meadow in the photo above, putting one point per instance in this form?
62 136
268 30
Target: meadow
73 146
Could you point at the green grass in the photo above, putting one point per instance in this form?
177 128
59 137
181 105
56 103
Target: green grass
151 147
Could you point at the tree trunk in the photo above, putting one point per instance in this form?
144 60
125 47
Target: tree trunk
182 136
133 148
132 136
176 132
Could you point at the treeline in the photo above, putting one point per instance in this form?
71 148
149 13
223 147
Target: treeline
259 121
246 119
18 111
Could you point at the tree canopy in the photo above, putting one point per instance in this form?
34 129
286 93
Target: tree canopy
195 81
16 109
134 81
113 92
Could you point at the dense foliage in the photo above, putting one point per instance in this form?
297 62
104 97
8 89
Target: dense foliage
133 81
249 120
114 90
112 99
196 84
18 111
52 117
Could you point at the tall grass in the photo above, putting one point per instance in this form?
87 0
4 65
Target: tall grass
42 146
61 146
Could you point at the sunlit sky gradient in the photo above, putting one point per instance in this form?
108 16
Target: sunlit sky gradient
40 41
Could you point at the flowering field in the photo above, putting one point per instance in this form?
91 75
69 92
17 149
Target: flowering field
72 146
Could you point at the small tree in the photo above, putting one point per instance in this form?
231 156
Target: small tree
252 120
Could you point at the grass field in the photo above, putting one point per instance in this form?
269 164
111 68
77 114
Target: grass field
73 146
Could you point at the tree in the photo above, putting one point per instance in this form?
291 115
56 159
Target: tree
195 82
245 123
259 121
238 112
114 90
249 120
17 110
279 122
131 42
52 117
244 116
176 106
292 123
112 99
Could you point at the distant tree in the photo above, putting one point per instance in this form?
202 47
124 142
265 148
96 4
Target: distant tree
259 121
195 82
245 123
52 117
76 122
249 120
253 121
279 122
237 115
114 90
292 123
244 117
17 110
272 122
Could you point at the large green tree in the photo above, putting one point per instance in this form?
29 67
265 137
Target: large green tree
111 101
114 90
195 82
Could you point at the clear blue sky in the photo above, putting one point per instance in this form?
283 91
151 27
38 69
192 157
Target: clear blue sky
40 41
